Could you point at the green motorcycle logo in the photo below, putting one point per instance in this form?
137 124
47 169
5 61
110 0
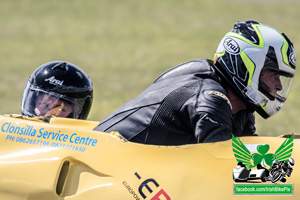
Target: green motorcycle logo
270 167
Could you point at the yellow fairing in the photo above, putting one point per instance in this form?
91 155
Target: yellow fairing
66 159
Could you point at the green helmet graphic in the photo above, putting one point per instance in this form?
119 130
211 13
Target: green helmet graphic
258 63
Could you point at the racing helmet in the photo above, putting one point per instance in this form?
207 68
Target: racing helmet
60 89
249 51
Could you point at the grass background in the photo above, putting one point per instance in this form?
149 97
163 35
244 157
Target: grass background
123 45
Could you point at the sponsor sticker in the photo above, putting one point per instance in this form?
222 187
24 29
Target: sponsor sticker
42 136
292 58
231 46
148 189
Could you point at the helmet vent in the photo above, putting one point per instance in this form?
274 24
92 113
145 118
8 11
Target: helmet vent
61 66
247 30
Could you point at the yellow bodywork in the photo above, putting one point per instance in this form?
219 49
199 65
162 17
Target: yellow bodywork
57 158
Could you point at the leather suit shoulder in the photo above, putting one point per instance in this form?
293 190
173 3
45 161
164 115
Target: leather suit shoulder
192 67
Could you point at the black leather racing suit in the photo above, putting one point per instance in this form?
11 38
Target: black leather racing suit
185 105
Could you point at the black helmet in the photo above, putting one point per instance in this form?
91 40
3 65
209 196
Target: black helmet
59 89
246 54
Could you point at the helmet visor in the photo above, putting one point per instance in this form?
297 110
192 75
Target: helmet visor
275 84
43 103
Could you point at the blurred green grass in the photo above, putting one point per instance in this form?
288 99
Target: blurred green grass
124 45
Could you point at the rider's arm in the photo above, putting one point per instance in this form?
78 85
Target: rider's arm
210 113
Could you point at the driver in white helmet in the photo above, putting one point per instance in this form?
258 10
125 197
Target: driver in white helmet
206 100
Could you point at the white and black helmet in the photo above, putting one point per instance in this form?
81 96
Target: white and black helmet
245 53
62 81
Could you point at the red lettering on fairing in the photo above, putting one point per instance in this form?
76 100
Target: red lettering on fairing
159 194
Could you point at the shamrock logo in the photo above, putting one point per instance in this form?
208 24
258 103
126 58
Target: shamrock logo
242 154
262 156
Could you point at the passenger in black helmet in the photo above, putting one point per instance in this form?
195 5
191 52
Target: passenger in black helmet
206 100
58 89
